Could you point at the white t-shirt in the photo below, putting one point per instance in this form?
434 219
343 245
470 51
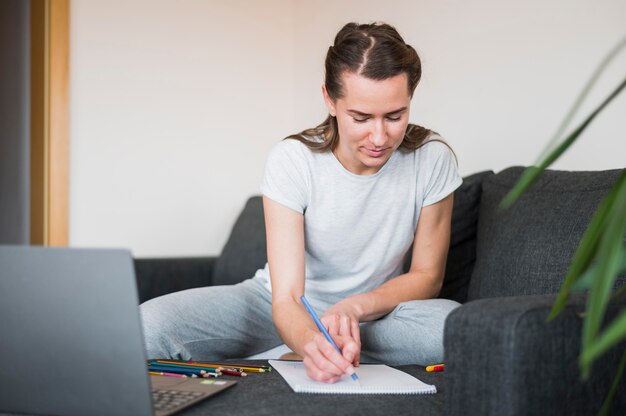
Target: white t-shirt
357 229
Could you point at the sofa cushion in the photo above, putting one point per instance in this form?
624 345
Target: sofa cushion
532 364
462 253
245 251
527 248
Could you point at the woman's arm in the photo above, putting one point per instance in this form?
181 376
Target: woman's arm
424 279
285 253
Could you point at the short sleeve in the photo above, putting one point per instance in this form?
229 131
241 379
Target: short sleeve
440 172
285 179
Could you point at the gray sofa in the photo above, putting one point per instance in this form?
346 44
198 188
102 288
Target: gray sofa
501 355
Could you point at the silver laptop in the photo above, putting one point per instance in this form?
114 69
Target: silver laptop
71 340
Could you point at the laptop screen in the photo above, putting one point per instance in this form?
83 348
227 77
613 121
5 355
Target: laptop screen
71 339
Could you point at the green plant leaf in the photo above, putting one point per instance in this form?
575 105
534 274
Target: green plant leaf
614 333
531 174
587 248
585 280
609 260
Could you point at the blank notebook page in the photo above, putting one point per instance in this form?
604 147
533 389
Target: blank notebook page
373 378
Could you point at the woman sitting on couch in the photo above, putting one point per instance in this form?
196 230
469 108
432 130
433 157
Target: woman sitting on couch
343 203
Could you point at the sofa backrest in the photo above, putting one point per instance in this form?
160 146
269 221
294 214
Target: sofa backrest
245 250
527 249
462 252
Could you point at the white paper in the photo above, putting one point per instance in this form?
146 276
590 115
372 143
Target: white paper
373 379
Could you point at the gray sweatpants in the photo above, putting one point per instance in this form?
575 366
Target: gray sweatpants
219 322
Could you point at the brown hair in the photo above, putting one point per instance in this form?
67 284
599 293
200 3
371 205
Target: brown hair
375 51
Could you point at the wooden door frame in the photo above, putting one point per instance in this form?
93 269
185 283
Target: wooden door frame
49 148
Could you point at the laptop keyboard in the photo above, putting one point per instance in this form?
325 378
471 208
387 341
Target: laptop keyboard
168 400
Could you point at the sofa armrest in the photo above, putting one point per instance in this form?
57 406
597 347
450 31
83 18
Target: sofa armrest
503 357
159 276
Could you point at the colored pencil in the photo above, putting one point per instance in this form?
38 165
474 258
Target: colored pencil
435 368
188 367
234 373
160 373
199 373
187 364
244 367
324 331
188 374
249 369
231 371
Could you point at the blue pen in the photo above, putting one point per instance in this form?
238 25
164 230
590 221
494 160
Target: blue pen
323 329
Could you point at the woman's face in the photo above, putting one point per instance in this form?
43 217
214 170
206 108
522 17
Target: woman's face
372 118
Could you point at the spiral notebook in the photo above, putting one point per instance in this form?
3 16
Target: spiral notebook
373 378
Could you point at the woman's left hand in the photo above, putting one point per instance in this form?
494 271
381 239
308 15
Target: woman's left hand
343 319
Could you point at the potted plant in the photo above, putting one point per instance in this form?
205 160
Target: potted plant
601 255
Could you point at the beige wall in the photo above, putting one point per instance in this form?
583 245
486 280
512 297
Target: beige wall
175 104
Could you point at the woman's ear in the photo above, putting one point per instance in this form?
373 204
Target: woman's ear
329 102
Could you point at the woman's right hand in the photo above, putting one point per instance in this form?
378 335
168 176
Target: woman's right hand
324 363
